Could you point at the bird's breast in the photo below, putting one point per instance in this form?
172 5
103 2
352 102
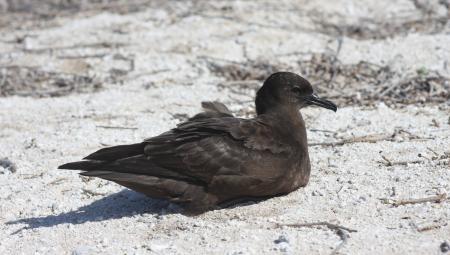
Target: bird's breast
297 175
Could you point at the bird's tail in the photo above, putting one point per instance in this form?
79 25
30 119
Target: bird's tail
128 166
109 158
117 152
83 165
129 159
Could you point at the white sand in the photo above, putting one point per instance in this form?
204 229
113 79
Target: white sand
47 211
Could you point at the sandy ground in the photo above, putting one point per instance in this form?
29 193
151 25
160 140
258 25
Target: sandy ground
154 67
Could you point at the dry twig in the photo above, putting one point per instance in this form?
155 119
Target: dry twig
116 127
57 181
359 139
341 231
315 224
430 227
437 199
92 193
388 162
334 61
32 176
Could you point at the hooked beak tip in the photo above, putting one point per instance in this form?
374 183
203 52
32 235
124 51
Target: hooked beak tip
315 100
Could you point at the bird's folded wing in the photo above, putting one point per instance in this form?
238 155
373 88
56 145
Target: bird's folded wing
209 147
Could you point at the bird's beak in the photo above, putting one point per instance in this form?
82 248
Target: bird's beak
315 100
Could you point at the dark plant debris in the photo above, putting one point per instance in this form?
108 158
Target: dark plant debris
370 29
51 8
429 21
23 13
244 72
363 83
30 81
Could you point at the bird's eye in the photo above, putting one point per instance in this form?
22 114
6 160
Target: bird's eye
296 90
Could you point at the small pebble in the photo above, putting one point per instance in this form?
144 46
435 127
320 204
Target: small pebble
7 166
104 241
445 247
316 193
281 239
54 207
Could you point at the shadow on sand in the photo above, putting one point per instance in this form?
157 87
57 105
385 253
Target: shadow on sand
125 203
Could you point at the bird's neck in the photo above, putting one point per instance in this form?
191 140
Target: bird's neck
288 121
284 113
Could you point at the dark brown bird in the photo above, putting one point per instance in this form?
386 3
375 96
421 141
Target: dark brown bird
214 158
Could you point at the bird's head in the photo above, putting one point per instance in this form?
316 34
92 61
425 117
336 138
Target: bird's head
285 89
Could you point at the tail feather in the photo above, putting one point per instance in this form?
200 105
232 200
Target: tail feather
136 165
83 165
117 152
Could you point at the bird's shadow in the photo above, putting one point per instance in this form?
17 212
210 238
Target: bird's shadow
122 204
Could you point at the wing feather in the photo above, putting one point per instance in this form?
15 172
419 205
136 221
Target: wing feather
206 148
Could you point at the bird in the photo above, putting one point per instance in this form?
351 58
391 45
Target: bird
215 158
